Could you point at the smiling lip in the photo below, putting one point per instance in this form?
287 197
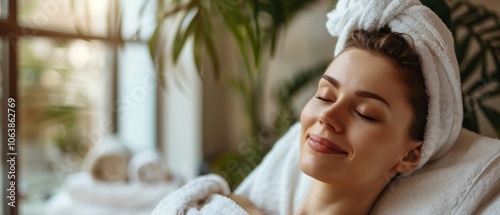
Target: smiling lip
323 145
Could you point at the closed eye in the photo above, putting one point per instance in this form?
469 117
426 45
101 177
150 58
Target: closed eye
323 99
366 117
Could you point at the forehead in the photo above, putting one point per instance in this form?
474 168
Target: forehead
359 70
356 67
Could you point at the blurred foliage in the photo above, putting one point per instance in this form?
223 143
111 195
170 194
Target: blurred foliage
254 25
477 43
441 8
49 114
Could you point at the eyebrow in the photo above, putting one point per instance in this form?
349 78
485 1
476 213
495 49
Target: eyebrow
359 93
332 81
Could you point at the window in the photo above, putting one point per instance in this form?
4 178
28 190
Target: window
75 72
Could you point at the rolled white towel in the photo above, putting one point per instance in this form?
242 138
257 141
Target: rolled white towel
107 161
146 167
204 195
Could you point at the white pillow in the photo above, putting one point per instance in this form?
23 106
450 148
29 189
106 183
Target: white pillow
462 182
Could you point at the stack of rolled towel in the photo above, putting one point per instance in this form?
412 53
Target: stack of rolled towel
113 182
145 167
107 162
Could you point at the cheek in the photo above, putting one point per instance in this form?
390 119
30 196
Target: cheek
307 120
379 145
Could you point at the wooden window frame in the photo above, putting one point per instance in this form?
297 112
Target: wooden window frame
10 32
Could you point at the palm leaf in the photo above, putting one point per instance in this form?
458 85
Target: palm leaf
493 117
209 42
478 54
242 19
462 46
183 34
441 8
470 118
155 45
472 65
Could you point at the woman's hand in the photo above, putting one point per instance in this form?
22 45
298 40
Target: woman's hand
246 204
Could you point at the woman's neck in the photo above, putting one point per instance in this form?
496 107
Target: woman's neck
339 199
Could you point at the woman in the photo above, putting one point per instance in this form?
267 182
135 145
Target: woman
388 103
364 125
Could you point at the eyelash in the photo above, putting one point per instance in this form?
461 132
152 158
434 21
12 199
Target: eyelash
365 117
323 99
358 113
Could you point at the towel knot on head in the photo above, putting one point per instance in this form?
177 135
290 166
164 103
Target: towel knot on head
434 44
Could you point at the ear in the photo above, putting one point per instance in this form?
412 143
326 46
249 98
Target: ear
410 160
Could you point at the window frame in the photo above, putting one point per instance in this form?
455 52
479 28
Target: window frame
10 32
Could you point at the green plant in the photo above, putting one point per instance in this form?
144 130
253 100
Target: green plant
68 132
476 32
477 42
253 27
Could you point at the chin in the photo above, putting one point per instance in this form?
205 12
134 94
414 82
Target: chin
308 169
313 167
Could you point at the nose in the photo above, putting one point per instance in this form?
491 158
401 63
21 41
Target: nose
332 118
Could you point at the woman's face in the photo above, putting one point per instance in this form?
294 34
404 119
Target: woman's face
354 130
